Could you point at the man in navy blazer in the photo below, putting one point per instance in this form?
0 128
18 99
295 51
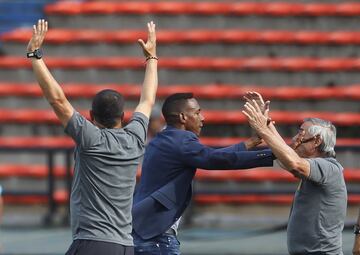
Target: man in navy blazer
169 166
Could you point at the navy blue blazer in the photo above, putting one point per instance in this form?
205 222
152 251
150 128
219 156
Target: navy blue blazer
169 165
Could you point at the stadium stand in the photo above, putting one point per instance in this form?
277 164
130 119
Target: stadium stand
300 52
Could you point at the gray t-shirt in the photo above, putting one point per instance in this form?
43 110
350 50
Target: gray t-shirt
319 209
106 162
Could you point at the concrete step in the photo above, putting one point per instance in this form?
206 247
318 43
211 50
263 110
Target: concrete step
215 50
171 76
125 21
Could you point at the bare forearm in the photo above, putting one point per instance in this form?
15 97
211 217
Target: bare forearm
284 153
50 88
52 91
149 88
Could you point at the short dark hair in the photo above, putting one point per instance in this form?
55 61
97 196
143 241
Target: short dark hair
107 107
173 105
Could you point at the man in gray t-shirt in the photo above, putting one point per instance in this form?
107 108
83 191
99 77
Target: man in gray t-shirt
106 156
319 207
106 162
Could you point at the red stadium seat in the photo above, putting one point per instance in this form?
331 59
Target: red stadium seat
66 36
205 8
56 142
253 175
211 117
208 199
294 64
29 171
201 91
61 197
42 142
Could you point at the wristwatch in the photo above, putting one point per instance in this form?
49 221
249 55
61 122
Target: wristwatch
356 229
35 54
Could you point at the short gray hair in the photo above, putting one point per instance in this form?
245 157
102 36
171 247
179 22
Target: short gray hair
327 132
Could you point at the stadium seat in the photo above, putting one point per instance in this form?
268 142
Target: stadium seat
211 117
61 197
253 175
278 199
64 142
29 171
66 36
293 64
202 91
261 175
205 8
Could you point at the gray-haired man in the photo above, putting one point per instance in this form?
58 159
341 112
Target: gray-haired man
319 207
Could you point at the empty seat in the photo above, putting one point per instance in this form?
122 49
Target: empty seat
211 116
205 8
61 197
68 36
293 64
201 91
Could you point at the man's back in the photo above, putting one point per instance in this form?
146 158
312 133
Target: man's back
105 172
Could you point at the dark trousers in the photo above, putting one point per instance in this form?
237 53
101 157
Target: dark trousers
164 244
91 247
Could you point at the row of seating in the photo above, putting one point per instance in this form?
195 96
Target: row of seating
69 36
205 8
253 175
201 91
271 199
61 197
45 116
286 64
66 143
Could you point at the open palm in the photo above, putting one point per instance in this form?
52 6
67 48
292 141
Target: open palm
38 35
149 48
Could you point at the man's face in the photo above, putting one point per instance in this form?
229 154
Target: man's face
193 119
305 144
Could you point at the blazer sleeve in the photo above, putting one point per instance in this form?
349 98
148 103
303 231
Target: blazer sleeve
195 154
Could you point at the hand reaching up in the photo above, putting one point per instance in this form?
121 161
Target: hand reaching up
38 35
252 95
149 48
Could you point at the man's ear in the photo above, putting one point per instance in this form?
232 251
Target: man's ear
182 118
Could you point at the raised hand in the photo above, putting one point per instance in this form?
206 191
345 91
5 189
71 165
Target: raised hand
149 48
252 95
38 35
256 118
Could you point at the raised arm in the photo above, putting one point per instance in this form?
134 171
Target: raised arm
148 91
288 158
50 88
